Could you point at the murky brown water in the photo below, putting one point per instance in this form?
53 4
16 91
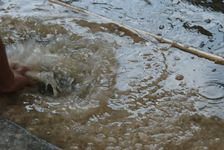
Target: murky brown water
117 90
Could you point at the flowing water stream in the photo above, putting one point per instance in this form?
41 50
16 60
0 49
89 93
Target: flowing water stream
99 86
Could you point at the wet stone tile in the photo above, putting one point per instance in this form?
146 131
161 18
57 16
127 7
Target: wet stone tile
14 137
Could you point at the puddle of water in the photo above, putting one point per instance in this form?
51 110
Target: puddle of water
167 18
115 89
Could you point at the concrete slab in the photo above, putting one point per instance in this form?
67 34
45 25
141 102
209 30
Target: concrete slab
14 137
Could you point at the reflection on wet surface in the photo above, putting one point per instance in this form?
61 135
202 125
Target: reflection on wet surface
199 29
116 90
215 5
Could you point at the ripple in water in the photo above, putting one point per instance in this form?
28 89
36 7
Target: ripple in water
213 90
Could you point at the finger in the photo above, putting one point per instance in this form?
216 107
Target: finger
22 70
18 68
31 82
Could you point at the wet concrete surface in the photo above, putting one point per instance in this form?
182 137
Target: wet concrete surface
119 90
